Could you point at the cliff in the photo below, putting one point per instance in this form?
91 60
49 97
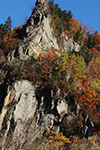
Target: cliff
36 103
38 34
25 116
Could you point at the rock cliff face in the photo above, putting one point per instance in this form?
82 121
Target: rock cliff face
39 34
25 116
70 44
27 112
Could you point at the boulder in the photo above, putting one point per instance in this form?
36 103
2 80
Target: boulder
71 125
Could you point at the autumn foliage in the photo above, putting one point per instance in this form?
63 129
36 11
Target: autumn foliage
75 73
56 140
70 73
9 42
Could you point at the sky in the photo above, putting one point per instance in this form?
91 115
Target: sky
85 11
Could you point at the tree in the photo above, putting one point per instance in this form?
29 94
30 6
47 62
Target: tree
69 15
9 41
8 23
3 30
51 2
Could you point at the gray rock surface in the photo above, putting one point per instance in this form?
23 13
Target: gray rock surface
25 117
70 44
40 35
19 106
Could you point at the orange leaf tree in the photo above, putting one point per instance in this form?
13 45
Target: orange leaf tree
9 41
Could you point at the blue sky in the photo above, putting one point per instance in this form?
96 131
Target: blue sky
86 11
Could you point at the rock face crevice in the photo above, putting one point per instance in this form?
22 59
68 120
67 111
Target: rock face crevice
2 94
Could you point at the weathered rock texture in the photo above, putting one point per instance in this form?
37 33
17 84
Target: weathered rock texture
19 107
39 34
69 44
26 114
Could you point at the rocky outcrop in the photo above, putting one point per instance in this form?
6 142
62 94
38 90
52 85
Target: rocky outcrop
25 116
39 34
19 107
70 44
